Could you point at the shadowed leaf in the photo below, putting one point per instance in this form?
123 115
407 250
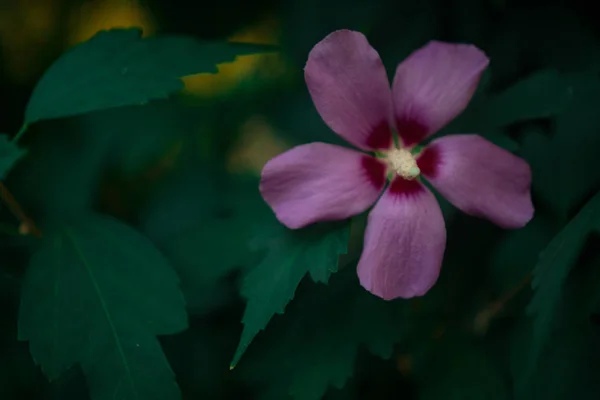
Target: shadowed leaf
118 67
96 294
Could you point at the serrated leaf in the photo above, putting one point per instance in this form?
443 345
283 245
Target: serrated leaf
314 346
552 269
324 356
568 365
118 67
96 294
292 254
10 153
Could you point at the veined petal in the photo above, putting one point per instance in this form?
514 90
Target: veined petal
433 85
404 242
320 182
480 178
350 89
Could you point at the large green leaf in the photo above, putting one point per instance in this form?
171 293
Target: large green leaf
550 272
117 68
96 294
292 254
9 155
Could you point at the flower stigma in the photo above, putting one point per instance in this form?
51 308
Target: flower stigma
403 163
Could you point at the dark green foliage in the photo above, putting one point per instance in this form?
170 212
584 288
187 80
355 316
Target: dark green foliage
138 260
551 270
565 351
321 336
543 94
563 162
96 294
290 255
207 233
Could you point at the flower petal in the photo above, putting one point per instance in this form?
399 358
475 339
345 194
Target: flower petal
480 178
320 182
351 90
433 85
404 243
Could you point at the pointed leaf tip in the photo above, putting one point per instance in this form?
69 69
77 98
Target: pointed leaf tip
271 285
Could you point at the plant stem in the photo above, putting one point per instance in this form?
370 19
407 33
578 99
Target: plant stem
27 224
484 317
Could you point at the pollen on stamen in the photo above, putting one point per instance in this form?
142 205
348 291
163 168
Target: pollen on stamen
403 163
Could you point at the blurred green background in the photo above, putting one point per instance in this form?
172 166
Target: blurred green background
184 171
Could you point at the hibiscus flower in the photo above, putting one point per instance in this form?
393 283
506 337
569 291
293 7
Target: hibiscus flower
405 237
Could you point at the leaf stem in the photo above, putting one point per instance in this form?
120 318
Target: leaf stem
27 224
20 133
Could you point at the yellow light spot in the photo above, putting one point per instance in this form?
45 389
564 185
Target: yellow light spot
257 145
24 229
27 35
230 75
93 17
404 364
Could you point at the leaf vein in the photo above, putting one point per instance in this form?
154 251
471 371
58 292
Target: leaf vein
104 308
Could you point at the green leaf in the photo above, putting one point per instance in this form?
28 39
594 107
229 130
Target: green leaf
552 269
541 95
292 254
561 163
117 68
10 153
96 294
314 346
544 94
568 365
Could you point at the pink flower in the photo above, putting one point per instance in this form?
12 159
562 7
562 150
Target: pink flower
405 237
